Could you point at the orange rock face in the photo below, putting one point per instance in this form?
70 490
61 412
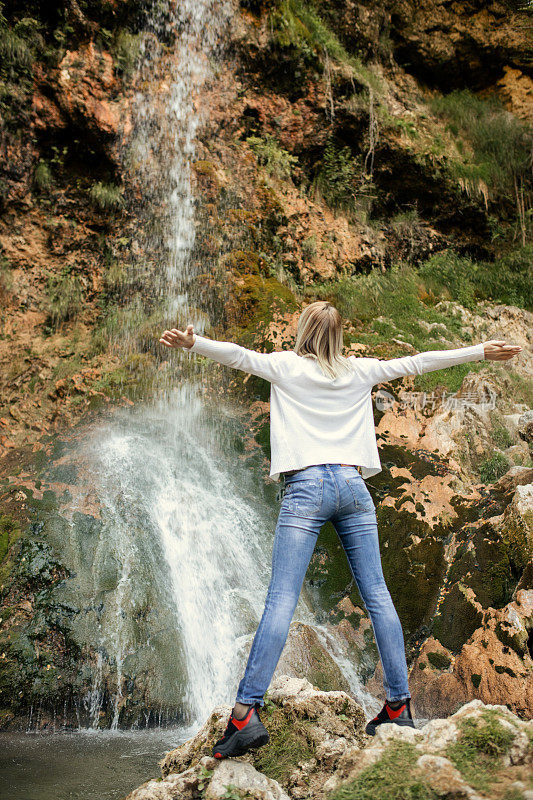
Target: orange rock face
495 665
86 87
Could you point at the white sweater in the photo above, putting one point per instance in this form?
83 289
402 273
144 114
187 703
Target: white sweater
319 420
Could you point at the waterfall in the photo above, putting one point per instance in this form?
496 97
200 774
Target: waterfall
172 566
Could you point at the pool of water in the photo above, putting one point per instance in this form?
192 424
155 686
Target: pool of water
83 765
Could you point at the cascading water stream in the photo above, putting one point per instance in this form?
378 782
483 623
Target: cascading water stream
175 564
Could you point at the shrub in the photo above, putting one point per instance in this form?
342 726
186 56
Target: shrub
276 161
19 45
6 278
508 280
493 468
106 196
502 146
337 178
298 24
448 273
309 248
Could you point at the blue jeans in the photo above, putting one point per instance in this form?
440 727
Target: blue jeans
312 496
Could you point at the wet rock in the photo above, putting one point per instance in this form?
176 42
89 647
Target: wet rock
86 92
305 656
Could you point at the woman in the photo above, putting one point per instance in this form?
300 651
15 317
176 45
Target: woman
323 443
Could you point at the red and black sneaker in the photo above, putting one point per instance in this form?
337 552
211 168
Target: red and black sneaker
242 735
398 716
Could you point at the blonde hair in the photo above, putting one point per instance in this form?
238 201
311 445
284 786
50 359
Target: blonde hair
319 335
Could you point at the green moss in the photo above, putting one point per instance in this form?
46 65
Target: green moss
457 619
9 534
289 744
126 51
439 660
413 570
483 563
393 777
478 751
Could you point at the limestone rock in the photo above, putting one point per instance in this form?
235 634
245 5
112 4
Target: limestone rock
445 779
243 777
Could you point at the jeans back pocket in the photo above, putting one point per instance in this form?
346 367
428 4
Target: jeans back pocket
360 494
303 497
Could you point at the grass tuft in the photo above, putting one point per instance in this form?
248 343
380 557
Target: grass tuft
393 777
478 751
65 298
106 196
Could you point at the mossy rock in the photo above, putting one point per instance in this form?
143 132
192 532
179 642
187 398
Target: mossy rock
517 537
412 556
457 619
482 562
438 660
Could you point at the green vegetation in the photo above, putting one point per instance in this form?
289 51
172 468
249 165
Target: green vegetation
508 280
42 177
501 436
439 660
309 248
337 178
106 196
298 24
393 777
126 51
276 161
233 793
501 145
6 278
478 751
65 297
289 744
19 45
9 533
493 467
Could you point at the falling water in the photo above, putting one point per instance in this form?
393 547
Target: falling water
172 569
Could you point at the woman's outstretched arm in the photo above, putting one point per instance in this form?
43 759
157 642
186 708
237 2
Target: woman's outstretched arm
496 350
266 365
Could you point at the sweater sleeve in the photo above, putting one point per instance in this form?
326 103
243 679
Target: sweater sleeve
266 365
429 361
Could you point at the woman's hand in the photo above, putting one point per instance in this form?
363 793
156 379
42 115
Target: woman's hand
498 350
177 338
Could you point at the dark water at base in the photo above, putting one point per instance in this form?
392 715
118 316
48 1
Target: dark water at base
85 765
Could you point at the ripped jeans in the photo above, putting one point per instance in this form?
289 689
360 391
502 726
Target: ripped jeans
312 496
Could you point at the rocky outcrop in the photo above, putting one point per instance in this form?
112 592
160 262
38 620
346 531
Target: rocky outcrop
456 758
